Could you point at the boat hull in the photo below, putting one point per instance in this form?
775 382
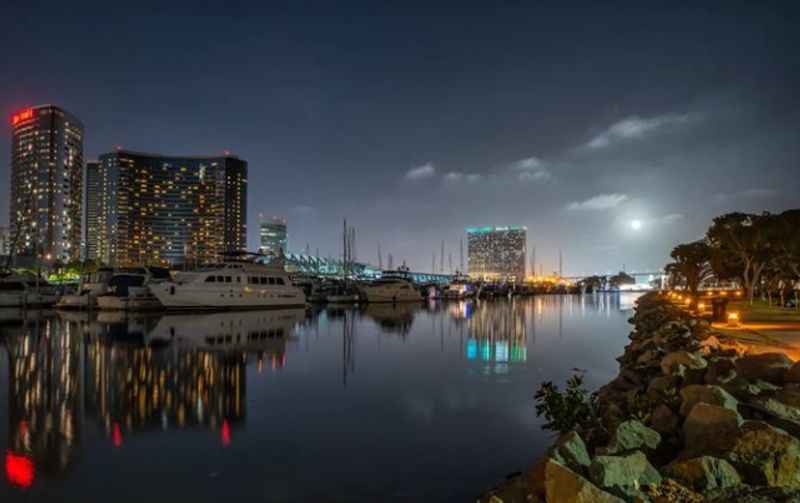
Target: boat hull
114 303
188 297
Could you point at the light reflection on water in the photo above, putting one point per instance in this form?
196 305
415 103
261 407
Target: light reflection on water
381 403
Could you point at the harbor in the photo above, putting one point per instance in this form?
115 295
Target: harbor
379 388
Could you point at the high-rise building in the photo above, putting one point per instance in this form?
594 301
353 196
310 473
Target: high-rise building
5 241
46 166
157 209
497 253
91 209
272 235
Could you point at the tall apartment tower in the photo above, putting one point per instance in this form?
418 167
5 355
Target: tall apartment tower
497 253
46 186
272 235
91 209
167 210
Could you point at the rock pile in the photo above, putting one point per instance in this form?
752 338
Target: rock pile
686 419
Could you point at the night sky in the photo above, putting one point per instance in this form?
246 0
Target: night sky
414 122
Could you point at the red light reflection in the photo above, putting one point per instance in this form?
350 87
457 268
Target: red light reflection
116 436
19 470
226 433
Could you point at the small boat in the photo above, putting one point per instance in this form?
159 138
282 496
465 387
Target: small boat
26 290
92 286
235 284
129 290
394 286
460 288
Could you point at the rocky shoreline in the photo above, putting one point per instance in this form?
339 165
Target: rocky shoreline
690 417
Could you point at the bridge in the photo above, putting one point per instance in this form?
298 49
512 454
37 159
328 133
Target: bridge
335 268
640 277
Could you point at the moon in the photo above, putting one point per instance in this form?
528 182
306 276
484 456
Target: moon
636 225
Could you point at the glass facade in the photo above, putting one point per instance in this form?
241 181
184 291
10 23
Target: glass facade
273 236
497 253
91 209
46 183
156 209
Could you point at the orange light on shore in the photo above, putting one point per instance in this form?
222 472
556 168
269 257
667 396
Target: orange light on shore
738 293
688 301
701 306
710 293
724 294
733 319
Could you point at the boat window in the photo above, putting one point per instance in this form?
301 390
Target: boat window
210 279
271 281
228 279
263 280
11 285
220 279
279 281
238 279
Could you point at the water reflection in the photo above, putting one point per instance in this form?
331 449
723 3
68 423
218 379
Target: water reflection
81 386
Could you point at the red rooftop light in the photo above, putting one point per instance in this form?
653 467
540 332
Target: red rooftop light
22 115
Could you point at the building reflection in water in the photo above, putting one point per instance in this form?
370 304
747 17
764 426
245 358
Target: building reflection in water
130 376
45 398
496 332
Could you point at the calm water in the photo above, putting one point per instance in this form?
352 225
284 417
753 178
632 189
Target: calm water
379 404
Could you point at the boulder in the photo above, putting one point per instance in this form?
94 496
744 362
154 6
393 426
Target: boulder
671 363
710 428
752 494
663 420
564 485
769 367
720 371
792 374
632 435
670 491
663 387
714 395
766 456
570 451
703 473
623 475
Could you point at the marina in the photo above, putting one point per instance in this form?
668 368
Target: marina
261 402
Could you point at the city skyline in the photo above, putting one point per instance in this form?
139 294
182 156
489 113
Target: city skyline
611 151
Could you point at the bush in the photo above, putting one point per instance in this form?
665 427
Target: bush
573 409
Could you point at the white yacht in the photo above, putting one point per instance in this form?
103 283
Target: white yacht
129 290
92 285
26 289
394 286
233 285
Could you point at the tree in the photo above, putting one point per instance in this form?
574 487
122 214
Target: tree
744 240
622 278
691 264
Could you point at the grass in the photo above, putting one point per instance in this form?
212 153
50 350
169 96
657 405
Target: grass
761 312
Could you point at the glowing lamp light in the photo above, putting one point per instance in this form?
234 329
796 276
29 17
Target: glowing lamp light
724 294
701 306
733 319
688 301
738 293
710 293
19 470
